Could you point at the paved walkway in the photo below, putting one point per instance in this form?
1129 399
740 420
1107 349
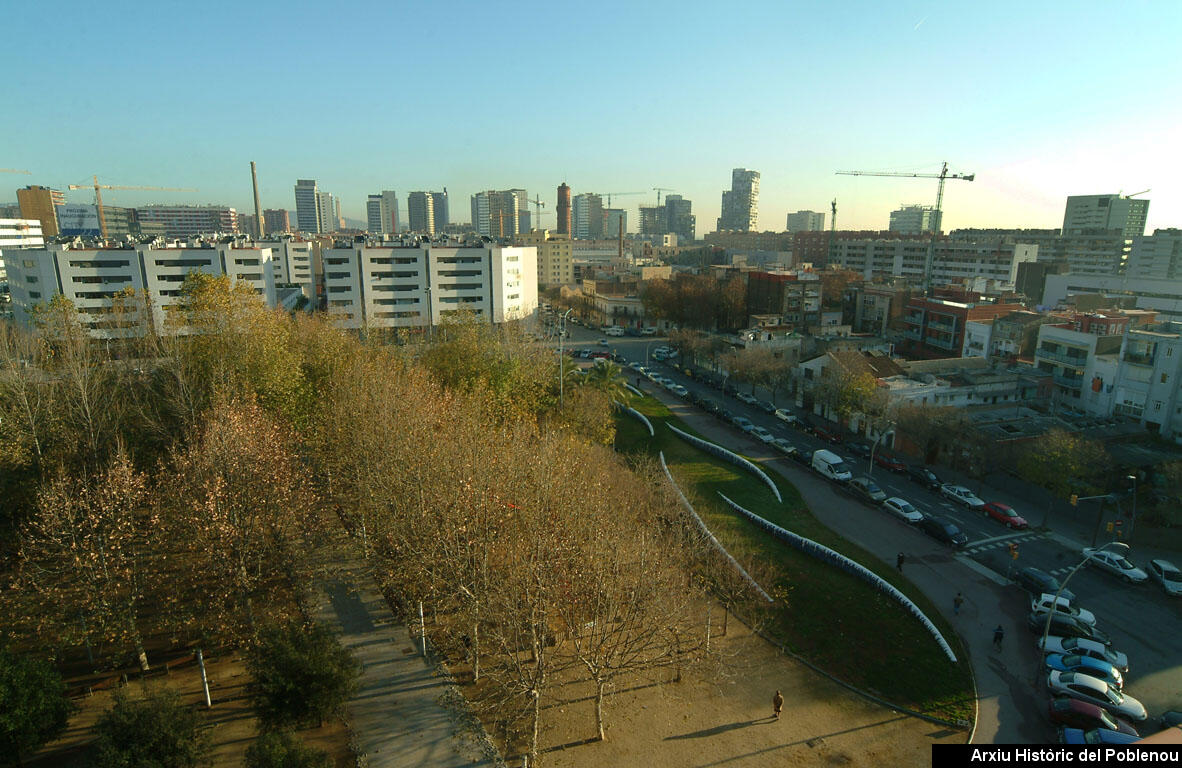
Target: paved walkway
398 713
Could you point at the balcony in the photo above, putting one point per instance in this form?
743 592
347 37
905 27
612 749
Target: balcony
913 334
1139 358
936 341
947 324
1058 357
1071 382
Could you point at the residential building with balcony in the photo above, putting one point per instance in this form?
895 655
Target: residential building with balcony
876 307
1157 256
794 297
1080 354
1016 334
935 328
1148 381
555 256
954 261
978 339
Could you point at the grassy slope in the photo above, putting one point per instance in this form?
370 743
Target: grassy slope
833 619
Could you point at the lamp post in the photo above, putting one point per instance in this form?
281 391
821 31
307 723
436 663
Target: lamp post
1133 516
1117 546
886 428
562 358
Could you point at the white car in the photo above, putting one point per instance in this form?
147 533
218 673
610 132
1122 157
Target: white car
679 390
1167 574
1042 605
961 494
1115 564
636 366
783 446
743 397
1094 691
902 509
762 434
783 414
1089 648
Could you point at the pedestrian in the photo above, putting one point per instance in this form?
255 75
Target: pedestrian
998 634
899 562
957 602
777 704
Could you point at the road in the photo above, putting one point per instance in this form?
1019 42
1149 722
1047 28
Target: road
1142 620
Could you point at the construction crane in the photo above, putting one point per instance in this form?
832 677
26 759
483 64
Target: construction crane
29 173
608 195
1137 194
832 231
942 176
538 205
98 198
659 190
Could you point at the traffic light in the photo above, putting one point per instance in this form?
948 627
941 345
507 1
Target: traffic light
1075 499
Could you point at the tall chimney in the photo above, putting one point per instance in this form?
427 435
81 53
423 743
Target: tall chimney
258 210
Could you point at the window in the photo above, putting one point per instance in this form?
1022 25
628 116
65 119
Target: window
1164 377
1157 405
338 275
34 294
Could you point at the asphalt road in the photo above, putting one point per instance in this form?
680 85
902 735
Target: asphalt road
1142 620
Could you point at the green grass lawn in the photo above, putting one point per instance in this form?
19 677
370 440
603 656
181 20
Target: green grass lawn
833 619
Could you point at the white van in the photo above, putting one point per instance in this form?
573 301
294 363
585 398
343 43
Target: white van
613 330
829 464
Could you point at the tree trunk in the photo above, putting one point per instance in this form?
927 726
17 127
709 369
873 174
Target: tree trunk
535 716
476 650
726 614
708 609
599 686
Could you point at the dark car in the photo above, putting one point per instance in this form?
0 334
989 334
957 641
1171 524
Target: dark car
859 449
708 405
943 531
1066 626
1038 582
1095 736
925 477
889 462
725 415
766 405
804 457
1080 714
828 434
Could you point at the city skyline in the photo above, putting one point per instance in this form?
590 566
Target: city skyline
1012 93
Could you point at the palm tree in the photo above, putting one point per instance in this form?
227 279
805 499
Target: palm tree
608 377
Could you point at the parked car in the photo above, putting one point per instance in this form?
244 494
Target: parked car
924 477
1074 713
726 415
766 406
1167 574
1004 513
784 414
679 390
1037 582
783 446
746 397
961 495
1042 604
743 423
867 490
943 531
648 330
1093 691
902 509
1101 670
1118 565
762 434
602 342
1171 719
1066 626
804 457
1096 736
828 434
636 366
858 449
709 406
1084 647
888 461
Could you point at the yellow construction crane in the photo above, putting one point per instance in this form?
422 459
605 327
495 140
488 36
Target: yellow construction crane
14 170
942 175
98 198
659 190
608 195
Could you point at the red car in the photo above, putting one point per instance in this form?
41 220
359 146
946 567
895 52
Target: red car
1004 513
890 462
827 434
1080 714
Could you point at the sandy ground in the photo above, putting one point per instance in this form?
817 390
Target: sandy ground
230 724
726 720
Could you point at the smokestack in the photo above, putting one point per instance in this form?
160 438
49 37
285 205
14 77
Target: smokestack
258 210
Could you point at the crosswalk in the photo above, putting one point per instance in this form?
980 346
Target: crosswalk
975 547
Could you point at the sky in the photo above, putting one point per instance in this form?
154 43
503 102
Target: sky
1039 99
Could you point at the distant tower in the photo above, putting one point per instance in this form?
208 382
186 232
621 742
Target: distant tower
563 209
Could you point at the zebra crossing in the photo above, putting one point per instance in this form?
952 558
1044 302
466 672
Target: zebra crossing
974 547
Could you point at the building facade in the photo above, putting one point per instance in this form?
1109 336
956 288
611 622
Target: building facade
1157 256
588 216
805 221
190 220
276 220
41 203
381 213
915 220
307 202
563 208
501 213
936 327
439 207
420 212
1104 212
615 221
954 261
740 204
555 257
794 297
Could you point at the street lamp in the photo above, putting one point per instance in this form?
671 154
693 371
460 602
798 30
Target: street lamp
1117 546
886 428
562 358
1133 517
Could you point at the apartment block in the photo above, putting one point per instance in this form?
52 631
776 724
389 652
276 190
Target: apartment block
1157 256
915 220
292 263
276 220
954 262
190 220
41 203
555 257
90 277
805 221
1148 380
740 204
936 327
876 307
1164 296
308 210
1105 212
413 286
1081 355
588 216
794 297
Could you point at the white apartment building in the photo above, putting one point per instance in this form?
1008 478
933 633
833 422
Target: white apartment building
915 219
408 286
292 264
18 233
89 277
1163 296
806 221
190 220
1082 364
953 261
1157 256
1149 377
978 338
1094 212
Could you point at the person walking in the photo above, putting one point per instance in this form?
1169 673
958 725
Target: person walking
777 704
899 562
957 602
998 634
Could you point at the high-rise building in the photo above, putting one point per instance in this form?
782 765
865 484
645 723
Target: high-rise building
652 220
330 212
614 220
679 218
806 221
420 212
246 223
501 213
915 219
82 220
189 220
439 205
588 216
276 220
381 213
307 200
740 204
1084 212
564 212
523 212
41 203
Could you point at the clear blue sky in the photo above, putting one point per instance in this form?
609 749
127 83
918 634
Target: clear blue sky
1040 99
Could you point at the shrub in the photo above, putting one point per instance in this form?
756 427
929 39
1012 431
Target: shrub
280 749
33 705
156 732
302 675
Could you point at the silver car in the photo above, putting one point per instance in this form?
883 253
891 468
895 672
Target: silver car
902 509
1115 564
1167 574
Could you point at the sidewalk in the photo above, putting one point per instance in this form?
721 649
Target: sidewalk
399 714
